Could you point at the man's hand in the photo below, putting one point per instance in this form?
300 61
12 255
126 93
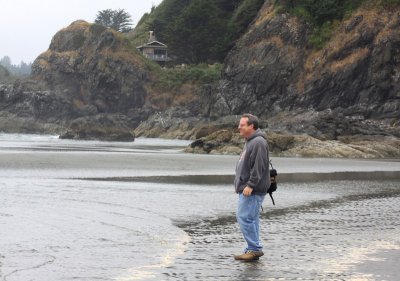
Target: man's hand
247 191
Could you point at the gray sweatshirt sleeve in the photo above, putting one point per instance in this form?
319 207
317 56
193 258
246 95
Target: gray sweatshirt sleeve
258 162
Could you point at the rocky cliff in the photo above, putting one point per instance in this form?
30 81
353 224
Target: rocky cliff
339 101
95 67
88 70
272 72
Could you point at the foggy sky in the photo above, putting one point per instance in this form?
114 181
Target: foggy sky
27 26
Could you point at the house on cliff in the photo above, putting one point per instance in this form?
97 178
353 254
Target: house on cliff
154 50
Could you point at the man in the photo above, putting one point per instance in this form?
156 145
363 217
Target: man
251 183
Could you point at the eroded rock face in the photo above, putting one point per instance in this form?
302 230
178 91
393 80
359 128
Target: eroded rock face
95 68
358 71
262 70
27 99
272 70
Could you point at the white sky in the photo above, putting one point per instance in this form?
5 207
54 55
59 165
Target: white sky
27 26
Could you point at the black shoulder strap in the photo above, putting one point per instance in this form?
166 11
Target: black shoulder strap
270 162
272 198
270 193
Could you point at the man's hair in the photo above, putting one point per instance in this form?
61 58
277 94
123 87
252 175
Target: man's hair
251 120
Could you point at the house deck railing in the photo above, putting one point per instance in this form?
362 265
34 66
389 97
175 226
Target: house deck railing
157 57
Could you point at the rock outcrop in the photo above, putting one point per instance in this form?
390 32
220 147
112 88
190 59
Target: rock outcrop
272 70
95 68
88 70
289 145
27 108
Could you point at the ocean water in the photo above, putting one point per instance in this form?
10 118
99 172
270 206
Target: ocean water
88 210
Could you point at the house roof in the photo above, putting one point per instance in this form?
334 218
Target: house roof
153 44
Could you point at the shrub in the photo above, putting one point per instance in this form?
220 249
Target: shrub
321 34
322 14
170 79
390 3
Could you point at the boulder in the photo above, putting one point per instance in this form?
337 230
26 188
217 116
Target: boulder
224 141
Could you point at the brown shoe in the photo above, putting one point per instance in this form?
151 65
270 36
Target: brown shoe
258 253
249 256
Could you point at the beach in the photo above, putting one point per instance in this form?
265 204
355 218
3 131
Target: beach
88 210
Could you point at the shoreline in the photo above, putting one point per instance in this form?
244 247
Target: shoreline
282 177
226 141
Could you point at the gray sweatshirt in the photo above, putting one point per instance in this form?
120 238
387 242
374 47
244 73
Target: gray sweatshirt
252 168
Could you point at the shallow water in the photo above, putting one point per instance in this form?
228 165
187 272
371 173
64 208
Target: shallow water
76 210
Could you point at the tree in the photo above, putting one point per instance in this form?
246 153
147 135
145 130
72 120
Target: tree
20 70
4 73
198 33
118 20
6 62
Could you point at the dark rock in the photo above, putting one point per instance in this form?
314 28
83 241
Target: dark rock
223 141
24 99
280 142
197 143
100 127
271 72
12 123
261 71
174 123
356 21
94 68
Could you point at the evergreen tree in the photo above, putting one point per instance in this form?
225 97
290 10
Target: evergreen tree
6 62
118 20
198 34
20 70
198 31
4 74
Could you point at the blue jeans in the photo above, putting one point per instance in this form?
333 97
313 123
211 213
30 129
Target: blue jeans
248 217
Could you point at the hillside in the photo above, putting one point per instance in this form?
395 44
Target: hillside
198 31
342 86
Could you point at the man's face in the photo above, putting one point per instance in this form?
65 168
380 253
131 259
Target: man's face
245 130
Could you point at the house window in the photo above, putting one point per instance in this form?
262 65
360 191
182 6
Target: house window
160 52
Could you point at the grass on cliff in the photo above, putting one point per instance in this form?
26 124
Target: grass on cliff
325 15
179 85
170 79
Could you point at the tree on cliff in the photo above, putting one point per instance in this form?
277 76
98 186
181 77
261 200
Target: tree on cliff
201 28
118 20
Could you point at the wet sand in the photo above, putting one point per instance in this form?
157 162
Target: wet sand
113 211
331 238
